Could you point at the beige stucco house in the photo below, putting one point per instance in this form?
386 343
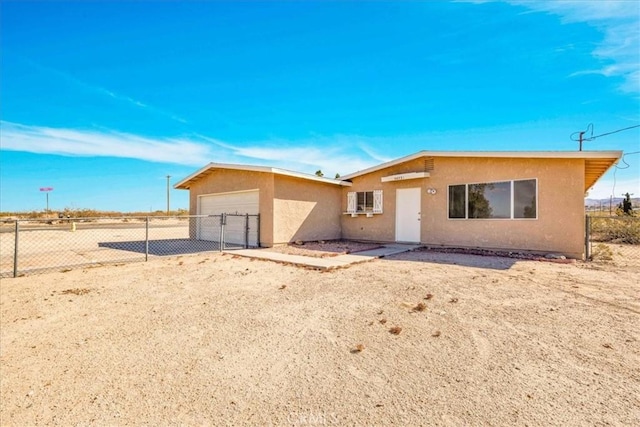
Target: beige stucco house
529 201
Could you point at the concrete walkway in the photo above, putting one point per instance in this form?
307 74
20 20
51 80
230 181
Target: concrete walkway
328 262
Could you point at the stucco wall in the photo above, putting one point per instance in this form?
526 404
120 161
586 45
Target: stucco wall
380 227
558 228
224 181
290 208
305 210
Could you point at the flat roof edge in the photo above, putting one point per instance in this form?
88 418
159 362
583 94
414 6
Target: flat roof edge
182 184
612 154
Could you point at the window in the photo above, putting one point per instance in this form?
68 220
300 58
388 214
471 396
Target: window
494 200
364 201
457 194
524 199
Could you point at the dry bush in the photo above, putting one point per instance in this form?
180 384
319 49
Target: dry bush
420 307
395 330
602 252
624 229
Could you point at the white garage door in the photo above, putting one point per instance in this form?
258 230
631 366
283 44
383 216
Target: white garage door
245 202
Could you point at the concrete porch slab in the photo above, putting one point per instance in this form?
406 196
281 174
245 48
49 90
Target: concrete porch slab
324 263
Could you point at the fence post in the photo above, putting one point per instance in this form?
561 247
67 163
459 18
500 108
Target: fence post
258 230
15 250
222 223
246 231
146 239
587 237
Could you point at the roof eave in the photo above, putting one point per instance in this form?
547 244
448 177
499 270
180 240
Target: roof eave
496 154
184 184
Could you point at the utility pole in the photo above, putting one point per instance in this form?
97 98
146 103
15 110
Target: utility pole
168 199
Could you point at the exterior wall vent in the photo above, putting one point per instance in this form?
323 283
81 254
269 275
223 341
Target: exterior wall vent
429 164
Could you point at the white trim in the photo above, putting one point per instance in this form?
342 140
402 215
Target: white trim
512 200
614 155
265 169
352 202
405 176
377 202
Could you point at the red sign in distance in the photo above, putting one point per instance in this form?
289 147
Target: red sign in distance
46 188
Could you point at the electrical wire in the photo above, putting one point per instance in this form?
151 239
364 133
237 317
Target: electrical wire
612 132
613 190
591 137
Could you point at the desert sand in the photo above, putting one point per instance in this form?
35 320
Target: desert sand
214 339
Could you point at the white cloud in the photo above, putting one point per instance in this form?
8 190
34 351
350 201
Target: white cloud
332 155
103 91
619 21
72 142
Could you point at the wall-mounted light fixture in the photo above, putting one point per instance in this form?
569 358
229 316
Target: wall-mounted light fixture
431 191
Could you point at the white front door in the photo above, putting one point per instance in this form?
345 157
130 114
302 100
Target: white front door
408 215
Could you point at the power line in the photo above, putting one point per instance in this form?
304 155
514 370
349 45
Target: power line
612 132
616 167
581 137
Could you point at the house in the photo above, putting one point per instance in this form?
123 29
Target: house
531 201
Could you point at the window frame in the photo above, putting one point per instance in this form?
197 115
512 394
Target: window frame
512 216
375 205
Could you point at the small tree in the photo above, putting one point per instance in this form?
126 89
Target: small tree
319 172
625 205
337 176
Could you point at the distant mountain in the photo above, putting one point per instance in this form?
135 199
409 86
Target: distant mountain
635 201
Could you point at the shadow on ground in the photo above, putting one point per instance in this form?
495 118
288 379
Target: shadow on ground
165 247
492 262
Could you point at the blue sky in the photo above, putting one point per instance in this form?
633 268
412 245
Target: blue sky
102 100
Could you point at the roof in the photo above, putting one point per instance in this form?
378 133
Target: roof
185 184
596 162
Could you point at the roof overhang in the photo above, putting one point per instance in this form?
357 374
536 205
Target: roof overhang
186 183
596 162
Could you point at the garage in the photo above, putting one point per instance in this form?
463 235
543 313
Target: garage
236 203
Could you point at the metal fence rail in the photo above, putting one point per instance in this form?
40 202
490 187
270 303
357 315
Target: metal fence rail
32 246
611 238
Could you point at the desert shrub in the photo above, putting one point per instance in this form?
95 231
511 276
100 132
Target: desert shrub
602 252
616 230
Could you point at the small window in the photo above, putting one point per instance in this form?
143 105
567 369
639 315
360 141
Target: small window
364 202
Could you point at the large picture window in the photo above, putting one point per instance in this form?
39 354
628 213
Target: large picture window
515 199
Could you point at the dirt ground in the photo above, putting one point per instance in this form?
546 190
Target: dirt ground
214 339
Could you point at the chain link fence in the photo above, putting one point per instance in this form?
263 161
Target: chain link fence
613 238
33 246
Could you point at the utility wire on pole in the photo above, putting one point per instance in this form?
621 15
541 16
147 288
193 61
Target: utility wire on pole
589 129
